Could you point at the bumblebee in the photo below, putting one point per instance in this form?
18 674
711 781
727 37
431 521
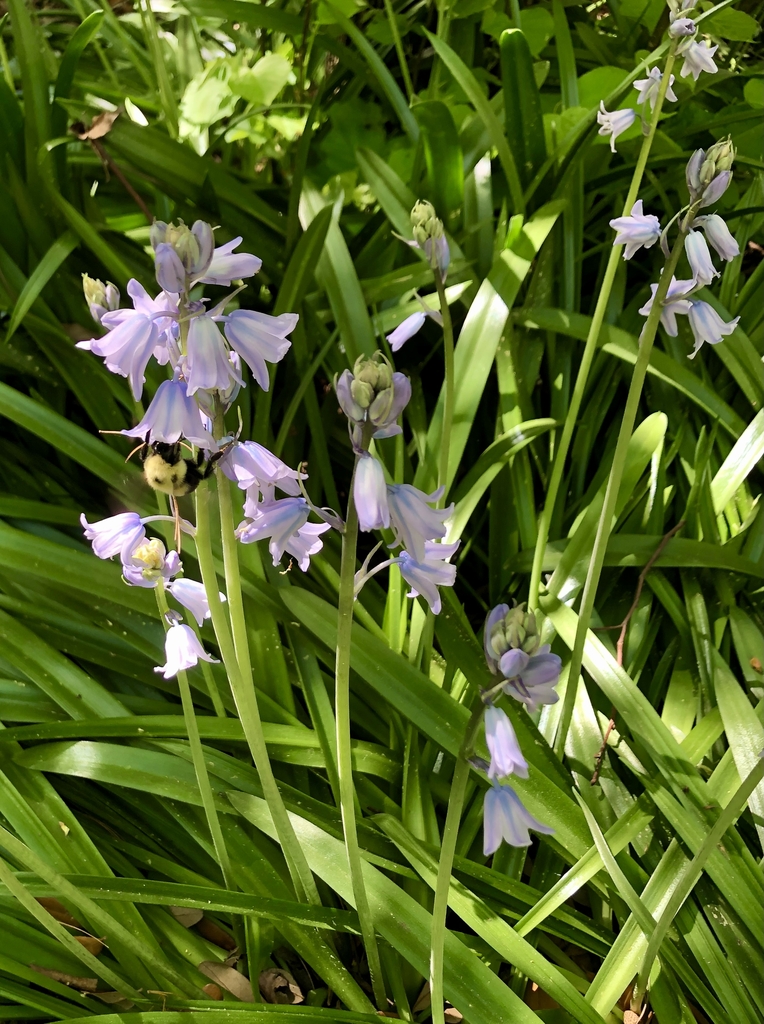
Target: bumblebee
166 469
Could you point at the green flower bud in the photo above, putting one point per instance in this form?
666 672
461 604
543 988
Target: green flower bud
518 629
95 290
425 223
362 392
719 157
381 406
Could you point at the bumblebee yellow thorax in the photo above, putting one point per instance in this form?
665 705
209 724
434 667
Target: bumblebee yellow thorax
170 478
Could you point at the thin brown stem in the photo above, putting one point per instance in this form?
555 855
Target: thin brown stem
137 199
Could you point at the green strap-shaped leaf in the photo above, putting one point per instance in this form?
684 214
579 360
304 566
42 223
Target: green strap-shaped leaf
740 462
42 273
443 156
523 119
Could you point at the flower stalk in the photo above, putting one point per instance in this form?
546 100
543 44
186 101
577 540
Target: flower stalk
590 348
448 384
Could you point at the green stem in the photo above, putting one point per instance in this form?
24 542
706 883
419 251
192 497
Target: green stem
446 862
448 398
605 524
589 350
399 50
344 755
197 758
243 690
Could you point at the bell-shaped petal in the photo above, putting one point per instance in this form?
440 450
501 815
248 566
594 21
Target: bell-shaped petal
426 576
414 522
117 535
193 597
698 57
227 265
699 258
406 330
495 616
205 240
259 339
614 123
674 303
387 426
636 231
505 817
680 27
534 685
718 234
370 495
506 756
170 272
207 363
513 662
251 466
348 404
648 88
278 521
306 542
172 415
713 193
127 348
708 326
182 651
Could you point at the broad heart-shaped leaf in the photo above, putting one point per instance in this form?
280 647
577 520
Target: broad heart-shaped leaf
571 571
743 458
479 339
469 983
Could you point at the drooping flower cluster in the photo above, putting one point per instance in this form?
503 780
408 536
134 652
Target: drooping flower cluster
708 175
514 649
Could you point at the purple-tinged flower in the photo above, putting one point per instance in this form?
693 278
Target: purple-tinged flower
495 616
101 298
148 563
117 535
682 27
708 326
718 234
531 679
254 468
181 252
370 494
506 756
259 339
713 192
676 302
227 266
278 521
414 522
648 88
411 326
636 230
692 172
170 272
505 817
182 651
373 393
193 597
432 572
306 542
207 364
614 123
172 415
699 258
698 57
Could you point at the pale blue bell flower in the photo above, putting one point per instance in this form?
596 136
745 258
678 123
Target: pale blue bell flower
259 339
148 563
193 597
713 192
370 494
505 817
306 542
169 269
406 330
698 57
277 521
648 88
492 656
636 231
676 302
182 651
172 415
117 535
708 326
438 253
718 234
680 27
413 520
385 420
207 365
614 123
226 265
531 678
252 466
699 258
506 756
432 572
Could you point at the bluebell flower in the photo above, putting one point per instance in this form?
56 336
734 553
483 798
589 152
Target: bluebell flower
505 817
206 364
506 756
680 27
182 254
306 542
699 258
254 468
148 563
698 57
636 231
413 521
172 415
406 330
676 302
101 298
718 234
259 339
373 393
648 88
708 326
370 494
495 616
614 123
227 266
531 678
182 651
170 272
192 596
117 535
432 572
278 521
429 236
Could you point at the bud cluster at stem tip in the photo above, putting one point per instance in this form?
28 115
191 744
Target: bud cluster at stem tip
429 235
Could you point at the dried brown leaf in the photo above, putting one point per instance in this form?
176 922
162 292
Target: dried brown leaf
187 916
90 943
229 979
452 1015
213 991
99 126
212 931
58 910
81 984
278 986
423 999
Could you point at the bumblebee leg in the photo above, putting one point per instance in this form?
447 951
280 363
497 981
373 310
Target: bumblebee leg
176 514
